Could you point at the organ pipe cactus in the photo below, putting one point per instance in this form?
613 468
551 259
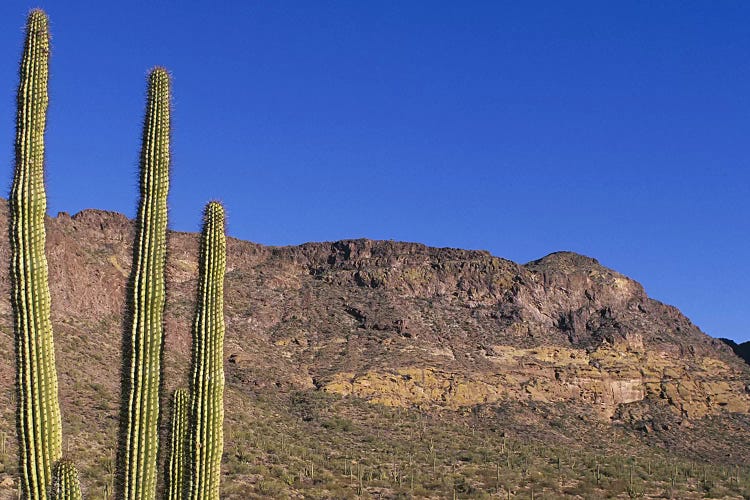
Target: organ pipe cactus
66 486
143 346
207 381
39 427
178 439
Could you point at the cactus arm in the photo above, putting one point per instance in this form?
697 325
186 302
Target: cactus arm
67 485
141 435
39 423
207 381
178 439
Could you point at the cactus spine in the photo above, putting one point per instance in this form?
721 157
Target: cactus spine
144 345
39 426
178 440
207 382
67 486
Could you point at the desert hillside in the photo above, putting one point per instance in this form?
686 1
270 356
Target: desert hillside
406 361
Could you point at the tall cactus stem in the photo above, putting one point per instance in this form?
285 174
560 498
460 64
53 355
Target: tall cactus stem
177 442
207 381
66 485
143 343
39 427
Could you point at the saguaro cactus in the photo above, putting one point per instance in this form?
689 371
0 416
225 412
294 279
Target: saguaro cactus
207 382
144 344
39 428
177 442
66 486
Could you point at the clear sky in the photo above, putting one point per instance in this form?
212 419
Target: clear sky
615 129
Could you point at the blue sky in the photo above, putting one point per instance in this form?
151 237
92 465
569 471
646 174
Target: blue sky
615 129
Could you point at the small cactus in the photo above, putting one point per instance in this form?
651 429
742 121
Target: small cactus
177 441
141 383
66 485
207 382
39 426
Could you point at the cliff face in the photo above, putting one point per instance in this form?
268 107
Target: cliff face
404 324
456 328
397 324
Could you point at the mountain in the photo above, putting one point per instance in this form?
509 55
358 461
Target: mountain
742 350
354 367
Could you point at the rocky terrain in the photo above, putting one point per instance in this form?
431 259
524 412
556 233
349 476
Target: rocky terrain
742 350
324 338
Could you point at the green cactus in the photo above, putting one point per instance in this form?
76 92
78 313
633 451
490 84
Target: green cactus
178 439
66 485
141 383
207 382
39 427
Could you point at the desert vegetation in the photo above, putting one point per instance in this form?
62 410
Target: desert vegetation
354 369
43 471
38 411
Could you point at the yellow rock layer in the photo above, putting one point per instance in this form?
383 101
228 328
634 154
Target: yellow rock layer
605 378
